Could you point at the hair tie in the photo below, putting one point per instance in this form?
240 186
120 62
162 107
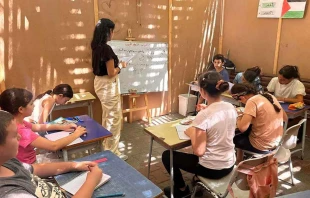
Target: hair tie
218 84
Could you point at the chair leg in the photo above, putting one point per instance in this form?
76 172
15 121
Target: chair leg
291 171
194 191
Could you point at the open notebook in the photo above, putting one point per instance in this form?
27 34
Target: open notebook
75 184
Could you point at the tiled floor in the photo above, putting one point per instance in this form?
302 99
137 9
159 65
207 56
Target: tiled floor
135 143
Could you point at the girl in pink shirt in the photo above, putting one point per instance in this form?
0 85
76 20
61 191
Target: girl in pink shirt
19 102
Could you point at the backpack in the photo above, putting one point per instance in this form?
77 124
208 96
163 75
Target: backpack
229 65
262 179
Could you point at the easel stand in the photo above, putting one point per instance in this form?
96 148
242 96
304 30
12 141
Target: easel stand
132 105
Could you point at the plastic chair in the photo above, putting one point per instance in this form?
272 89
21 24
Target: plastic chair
283 154
235 180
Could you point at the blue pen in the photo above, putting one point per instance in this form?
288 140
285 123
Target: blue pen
112 195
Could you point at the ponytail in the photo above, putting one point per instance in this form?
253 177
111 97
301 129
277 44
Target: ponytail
270 99
289 72
49 92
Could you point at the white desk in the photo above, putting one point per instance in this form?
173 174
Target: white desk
79 100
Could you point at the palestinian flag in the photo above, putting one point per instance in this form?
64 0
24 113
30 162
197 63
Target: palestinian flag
293 9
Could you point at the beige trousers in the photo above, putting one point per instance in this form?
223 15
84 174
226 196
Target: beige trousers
108 92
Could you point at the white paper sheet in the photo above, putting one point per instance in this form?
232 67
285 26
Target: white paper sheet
62 134
180 130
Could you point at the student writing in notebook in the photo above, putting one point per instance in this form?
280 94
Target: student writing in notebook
19 179
211 136
19 103
44 103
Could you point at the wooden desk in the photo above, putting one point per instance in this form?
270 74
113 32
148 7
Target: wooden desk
167 136
95 136
124 178
78 100
291 114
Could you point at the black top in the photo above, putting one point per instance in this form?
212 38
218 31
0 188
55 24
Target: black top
106 55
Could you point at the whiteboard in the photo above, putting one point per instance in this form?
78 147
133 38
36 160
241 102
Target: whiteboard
147 71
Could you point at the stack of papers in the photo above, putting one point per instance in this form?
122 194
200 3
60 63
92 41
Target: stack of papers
62 134
75 184
181 129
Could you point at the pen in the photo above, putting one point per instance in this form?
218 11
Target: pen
112 195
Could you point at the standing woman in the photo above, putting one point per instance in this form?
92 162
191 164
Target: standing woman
106 68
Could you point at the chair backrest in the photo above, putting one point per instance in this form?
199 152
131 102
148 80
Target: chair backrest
290 136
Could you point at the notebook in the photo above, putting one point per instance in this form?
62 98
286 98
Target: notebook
76 183
180 130
62 134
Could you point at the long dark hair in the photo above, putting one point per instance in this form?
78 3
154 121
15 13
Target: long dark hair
64 89
289 72
102 34
12 99
212 83
246 88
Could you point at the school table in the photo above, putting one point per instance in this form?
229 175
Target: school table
302 194
167 136
96 133
124 178
79 100
291 114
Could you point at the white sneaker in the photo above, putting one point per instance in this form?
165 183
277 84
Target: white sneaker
123 157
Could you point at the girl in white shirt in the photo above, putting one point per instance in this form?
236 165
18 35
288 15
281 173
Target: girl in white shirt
45 102
211 136
287 86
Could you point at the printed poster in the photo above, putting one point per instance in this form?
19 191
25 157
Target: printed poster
281 8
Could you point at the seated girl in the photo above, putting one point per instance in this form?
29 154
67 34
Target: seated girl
252 76
287 86
19 103
265 114
211 137
23 180
45 102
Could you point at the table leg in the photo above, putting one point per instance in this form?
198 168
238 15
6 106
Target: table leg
101 145
171 173
150 156
65 154
90 109
304 136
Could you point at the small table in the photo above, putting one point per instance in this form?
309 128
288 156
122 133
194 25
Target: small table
302 194
78 100
124 178
95 136
167 136
291 114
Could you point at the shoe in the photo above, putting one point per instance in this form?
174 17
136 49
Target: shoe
123 157
177 192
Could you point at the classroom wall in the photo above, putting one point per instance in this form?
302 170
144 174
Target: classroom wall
45 43
252 40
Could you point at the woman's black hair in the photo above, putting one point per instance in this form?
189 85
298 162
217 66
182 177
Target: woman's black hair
289 72
212 83
64 89
249 76
101 36
246 88
255 69
12 99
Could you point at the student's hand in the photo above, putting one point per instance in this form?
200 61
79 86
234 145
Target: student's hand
124 64
200 107
94 175
83 166
80 130
68 127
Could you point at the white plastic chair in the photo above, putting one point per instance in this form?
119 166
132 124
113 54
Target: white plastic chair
283 154
236 180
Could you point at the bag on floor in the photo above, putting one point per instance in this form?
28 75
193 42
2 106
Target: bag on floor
262 179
